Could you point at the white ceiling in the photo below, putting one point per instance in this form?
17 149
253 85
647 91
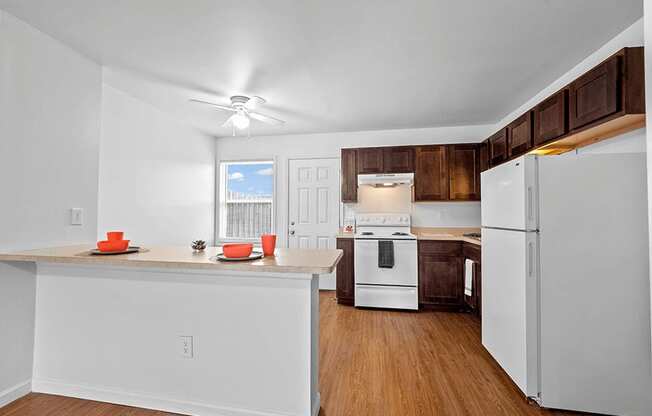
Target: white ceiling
337 65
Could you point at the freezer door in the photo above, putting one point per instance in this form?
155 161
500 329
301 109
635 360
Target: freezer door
510 304
509 195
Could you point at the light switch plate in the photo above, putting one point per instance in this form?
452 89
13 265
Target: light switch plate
76 216
185 346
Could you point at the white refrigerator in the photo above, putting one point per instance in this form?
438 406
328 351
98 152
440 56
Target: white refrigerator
565 280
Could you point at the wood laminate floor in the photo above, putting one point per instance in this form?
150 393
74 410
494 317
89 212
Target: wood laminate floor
374 363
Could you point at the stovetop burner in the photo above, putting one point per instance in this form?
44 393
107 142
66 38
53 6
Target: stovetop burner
473 235
400 233
366 233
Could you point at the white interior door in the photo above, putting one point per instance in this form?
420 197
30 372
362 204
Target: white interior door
314 206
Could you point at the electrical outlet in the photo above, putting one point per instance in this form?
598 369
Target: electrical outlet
76 216
185 346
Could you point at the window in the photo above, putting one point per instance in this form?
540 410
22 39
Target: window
246 208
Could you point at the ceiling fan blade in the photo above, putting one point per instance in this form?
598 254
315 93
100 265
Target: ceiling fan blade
221 107
228 121
265 119
254 102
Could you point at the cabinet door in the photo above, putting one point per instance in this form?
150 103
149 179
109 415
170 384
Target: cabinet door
464 172
398 159
595 94
498 148
519 135
370 160
349 176
441 278
473 252
550 119
484 156
345 287
431 174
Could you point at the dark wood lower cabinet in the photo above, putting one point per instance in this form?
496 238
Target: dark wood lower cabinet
474 302
441 275
344 285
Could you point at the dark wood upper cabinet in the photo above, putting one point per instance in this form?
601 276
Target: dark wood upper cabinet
431 173
550 121
349 175
345 287
398 159
519 135
370 160
464 172
605 102
441 274
498 147
595 94
484 156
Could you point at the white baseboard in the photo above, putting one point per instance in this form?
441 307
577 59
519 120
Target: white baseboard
16 392
145 401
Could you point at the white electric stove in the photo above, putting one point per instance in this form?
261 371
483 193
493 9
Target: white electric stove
385 262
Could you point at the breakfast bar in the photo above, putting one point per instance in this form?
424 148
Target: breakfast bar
175 330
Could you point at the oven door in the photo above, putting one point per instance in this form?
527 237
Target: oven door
404 272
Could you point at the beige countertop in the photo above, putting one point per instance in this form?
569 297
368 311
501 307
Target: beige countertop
436 234
285 260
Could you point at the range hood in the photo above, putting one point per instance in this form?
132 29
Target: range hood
386 179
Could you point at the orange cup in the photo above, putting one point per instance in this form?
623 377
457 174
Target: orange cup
269 244
115 235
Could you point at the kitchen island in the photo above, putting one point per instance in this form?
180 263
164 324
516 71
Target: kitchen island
177 331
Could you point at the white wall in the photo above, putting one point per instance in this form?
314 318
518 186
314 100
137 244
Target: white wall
49 141
324 145
157 177
424 214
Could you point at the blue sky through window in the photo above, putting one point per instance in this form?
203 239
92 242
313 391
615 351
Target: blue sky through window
251 178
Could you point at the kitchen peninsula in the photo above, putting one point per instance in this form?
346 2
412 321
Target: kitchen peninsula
174 330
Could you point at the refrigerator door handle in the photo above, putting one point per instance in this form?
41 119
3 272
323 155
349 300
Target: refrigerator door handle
530 259
530 204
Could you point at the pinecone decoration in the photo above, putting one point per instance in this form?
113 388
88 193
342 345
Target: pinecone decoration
199 245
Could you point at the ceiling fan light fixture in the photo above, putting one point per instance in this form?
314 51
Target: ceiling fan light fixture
240 120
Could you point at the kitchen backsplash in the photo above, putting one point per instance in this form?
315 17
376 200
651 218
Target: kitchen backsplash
424 214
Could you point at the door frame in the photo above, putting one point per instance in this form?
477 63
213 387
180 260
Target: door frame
340 208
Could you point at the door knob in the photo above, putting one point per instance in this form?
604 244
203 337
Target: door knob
292 232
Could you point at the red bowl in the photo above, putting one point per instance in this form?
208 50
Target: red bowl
237 250
109 246
115 235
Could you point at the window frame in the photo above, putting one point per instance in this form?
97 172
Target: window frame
220 205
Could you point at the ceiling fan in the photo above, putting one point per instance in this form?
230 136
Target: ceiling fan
243 108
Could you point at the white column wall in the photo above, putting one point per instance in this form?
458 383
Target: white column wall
49 143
